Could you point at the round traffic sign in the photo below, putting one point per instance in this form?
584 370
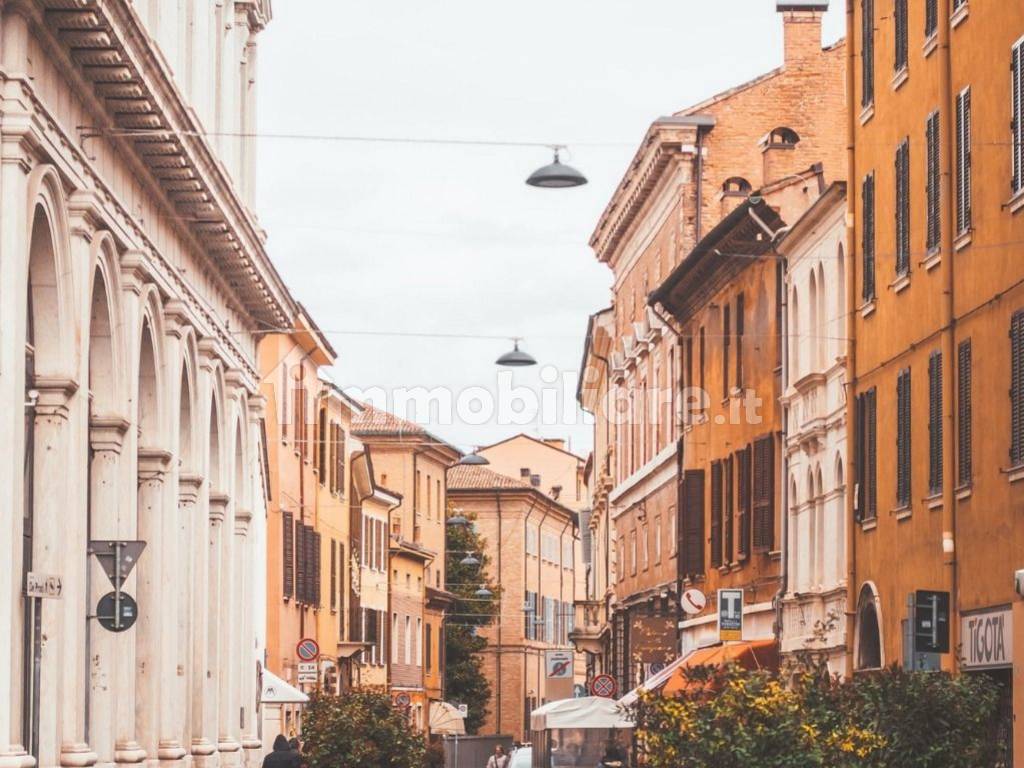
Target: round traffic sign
403 699
115 614
604 686
308 649
693 601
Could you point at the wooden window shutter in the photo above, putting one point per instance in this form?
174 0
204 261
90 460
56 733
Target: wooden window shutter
716 514
931 17
1017 388
868 236
339 459
903 208
963 417
932 190
726 342
334 575
283 397
317 549
871 452
1017 123
860 452
300 562
729 520
288 543
764 493
963 161
903 438
299 418
321 447
935 423
900 36
867 23
740 310
693 518
743 497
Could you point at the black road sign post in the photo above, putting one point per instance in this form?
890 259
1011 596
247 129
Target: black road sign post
117 610
931 621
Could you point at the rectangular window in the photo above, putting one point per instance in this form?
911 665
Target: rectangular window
739 340
321 447
531 540
867 72
963 161
300 562
931 17
701 353
287 540
419 644
645 546
963 413
408 640
1017 120
903 208
932 192
743 499
688 381
693 523
657 539
428 647
764 493
728 519
1017 389
935 423
900 36
903 438
341 590
716 514
673 530
726 343
632 552
868 236
285 394
334 575
867 455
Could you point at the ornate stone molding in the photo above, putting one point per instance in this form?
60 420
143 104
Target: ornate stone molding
243 519
218 506
15 756
170 749
188 488
129 752
203 747
136 271
154 463
106 433
176 318
77 755
53 396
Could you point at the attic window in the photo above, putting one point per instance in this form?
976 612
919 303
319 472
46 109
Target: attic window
736 185
785 138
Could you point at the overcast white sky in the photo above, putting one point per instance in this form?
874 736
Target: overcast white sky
418 238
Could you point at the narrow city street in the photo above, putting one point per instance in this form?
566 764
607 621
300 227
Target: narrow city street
451 384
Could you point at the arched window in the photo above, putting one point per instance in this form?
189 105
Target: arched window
736 185
794 331
783 137
813 359
869 636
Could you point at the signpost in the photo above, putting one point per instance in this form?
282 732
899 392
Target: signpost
604 686
693 601
117 610
730 614
931 622
307 649
558 664
42 585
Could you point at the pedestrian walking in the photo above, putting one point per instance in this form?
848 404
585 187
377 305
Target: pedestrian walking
282 756
499 759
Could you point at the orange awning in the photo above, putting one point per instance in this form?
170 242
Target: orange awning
752 655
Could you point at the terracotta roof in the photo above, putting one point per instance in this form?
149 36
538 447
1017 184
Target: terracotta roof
469 477
374 421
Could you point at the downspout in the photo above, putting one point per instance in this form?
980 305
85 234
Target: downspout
784 464
540 563
533 615
949 506
700 188
853 469
501 598
608 472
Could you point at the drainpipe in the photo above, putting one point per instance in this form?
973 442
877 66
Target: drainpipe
607 471
853 469
501 599
949 506
533 615
784 464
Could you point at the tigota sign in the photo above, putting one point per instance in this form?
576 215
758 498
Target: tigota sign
987 639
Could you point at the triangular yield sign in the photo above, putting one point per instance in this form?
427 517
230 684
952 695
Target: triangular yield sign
117 567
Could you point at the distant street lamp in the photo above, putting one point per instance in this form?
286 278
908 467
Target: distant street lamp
457 519
484 592
469 559
556 175
473 460
516 358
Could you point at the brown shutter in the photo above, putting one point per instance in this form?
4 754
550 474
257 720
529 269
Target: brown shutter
871 451
963 160
300 562
963 419
764 493
932 190
288 543
317 577
903 208
868 237
867 21
728 519
743 494
334 575
931 17
903 438
716 514
935 423
900 23
1017 124
726 343
740 310
693 519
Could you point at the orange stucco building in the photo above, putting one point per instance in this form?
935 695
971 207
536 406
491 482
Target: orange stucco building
936 336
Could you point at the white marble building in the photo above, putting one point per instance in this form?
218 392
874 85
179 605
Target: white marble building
132 275
814 606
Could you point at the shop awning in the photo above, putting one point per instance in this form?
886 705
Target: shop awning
446 719
585 712
277 691
752 655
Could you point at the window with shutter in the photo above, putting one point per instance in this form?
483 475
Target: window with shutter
935 423
284 398
867 458
764 493
867 25
299 416
963 413
316 580
963 161
743 498
728 520
726 343
739 340
339 459
931 17
716 514
868 236
903 438
693 519
300 562
288 559
320 456
932 191
1017 121
341 590
334 575
903 208
900 35
1017 389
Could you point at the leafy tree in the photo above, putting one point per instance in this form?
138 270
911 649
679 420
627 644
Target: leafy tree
358 729
465 682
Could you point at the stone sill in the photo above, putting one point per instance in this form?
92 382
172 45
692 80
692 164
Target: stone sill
867 113
867 308
963 493
934 501
1016 202
902 513
962 240
868 525
1015 474
932 260
959 15
900 284
901 76
931 44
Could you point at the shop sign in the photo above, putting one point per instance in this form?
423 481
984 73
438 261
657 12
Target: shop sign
987 638
730 614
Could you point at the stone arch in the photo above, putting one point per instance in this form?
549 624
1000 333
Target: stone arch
814 319
839 478
107 379
240 455
794 347
188 449
150 392
216 431
867 646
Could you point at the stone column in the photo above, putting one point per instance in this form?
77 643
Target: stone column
227 740
216 606
189 492
202 694
246 661
153 621
106 437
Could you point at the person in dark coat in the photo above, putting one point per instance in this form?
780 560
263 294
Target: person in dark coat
283 755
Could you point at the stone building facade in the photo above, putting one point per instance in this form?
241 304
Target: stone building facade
135 277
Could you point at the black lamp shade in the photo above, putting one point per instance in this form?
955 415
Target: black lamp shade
473 460
557 175
516 358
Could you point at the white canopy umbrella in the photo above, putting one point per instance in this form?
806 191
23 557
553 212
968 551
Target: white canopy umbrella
586 712
277 691
446 719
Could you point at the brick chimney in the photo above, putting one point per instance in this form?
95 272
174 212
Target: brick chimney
801 23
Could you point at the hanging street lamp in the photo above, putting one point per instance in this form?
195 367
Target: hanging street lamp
516 358
484 592
556 175
473 460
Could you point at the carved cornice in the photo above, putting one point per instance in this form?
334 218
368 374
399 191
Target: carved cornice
53 396
153 463
106 433
188 488
218 506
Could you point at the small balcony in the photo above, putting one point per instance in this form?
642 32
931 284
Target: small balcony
591 628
